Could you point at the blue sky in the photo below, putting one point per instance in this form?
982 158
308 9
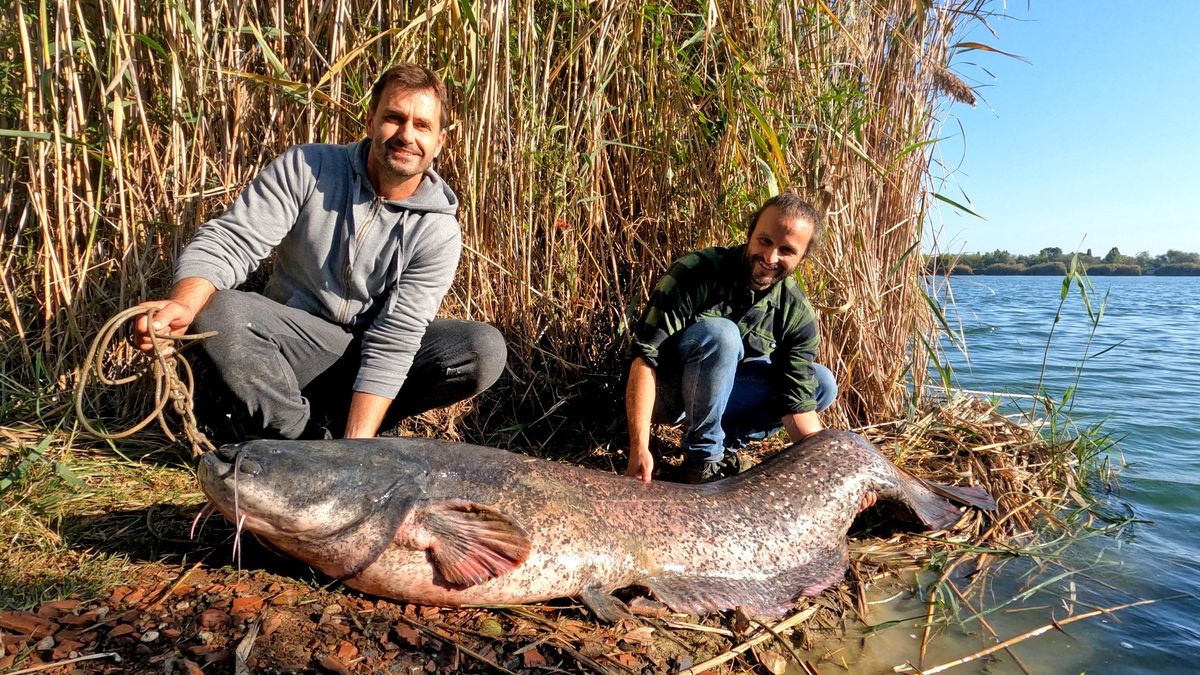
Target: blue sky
1092 142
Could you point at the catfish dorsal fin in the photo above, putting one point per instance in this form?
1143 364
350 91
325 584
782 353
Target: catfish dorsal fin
471 543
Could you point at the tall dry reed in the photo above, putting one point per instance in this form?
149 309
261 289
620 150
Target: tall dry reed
593 143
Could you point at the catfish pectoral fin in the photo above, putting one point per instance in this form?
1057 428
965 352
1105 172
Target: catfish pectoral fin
471 543
606 607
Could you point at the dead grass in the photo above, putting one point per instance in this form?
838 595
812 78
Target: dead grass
81 523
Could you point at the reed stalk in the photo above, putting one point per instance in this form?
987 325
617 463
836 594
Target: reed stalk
592 144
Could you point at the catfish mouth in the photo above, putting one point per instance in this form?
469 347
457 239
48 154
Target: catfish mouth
276 490
224 475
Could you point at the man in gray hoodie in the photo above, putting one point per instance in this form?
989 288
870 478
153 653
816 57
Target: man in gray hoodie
366 244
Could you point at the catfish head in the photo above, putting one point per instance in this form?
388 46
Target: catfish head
334 505
339 504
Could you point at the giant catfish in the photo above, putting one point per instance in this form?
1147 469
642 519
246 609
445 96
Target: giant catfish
441 523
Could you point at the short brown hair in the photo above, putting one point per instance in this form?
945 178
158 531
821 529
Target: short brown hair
412 77
791 205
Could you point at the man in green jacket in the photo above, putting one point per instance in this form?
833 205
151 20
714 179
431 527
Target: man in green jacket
366 244
727 344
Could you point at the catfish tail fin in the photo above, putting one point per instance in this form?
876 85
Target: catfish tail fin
967 495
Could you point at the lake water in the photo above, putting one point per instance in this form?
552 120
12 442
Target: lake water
1146 389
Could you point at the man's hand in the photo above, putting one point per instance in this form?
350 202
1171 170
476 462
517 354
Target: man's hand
868 500
171 317
175 314
639 407
641 464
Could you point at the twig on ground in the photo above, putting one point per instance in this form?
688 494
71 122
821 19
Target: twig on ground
47 666
983 622
907 668
454 643
782 642
763 636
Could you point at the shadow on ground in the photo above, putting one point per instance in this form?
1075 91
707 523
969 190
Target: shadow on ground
162 534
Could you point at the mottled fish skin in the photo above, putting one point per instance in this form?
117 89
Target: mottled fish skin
367 512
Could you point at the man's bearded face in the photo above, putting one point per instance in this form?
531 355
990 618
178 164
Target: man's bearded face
777 245
406 132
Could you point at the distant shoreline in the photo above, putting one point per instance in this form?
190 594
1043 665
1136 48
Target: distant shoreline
1091 272
1055 262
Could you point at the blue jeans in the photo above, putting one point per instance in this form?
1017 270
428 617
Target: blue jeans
704 380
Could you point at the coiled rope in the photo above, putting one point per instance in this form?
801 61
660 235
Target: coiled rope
163 364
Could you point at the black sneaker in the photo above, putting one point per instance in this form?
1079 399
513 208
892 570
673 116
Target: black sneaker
704 472
315 432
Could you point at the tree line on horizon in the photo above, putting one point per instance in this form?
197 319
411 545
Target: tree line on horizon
1053 261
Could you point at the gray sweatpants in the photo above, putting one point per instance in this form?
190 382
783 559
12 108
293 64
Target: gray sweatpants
280 371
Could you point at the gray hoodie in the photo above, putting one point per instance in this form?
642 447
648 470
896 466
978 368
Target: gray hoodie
378 267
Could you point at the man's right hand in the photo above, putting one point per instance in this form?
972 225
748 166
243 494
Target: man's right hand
641 465
171 317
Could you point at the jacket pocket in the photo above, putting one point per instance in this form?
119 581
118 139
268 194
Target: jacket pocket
759 344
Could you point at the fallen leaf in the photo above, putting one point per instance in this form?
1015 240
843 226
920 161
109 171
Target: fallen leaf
271 622
642 606
287 597
247 605
773 661
333 664
27 623
64 649
213 618
533 657
640 636
409 635
346 651
491 628
119 630
55 608
627 659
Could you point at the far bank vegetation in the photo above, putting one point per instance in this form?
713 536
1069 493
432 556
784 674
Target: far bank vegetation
1054 261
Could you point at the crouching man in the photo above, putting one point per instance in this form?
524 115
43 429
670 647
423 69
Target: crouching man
726 344
366 243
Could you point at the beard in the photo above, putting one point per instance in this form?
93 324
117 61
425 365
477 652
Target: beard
403 165
761 276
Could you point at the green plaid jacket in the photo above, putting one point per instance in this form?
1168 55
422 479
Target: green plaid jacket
778 322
